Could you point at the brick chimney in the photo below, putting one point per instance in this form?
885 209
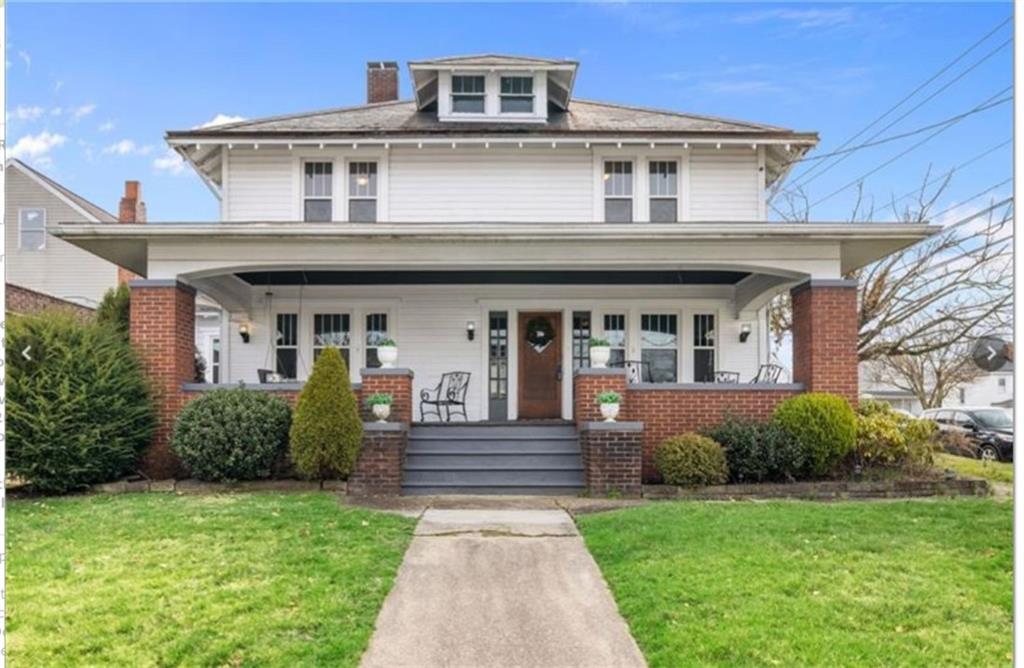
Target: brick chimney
131 210
381 81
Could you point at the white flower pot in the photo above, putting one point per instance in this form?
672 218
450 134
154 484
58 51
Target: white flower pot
609 412
599 356
381 412
387 355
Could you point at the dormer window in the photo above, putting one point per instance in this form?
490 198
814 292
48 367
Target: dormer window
517 95
467 94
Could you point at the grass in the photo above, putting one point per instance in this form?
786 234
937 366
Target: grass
994 471
164 580
905 583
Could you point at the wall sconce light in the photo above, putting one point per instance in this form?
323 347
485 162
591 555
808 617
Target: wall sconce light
470 330
744 332
244 332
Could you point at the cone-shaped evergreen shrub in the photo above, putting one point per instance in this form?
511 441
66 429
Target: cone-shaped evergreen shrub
327 431
79 411
115 308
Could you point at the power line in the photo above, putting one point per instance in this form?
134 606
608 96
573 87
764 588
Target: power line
969 199
955 169
806 178
963 54
898 155
904 135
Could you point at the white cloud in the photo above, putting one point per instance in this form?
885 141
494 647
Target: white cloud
78 113
221 119
801 18
170 162
57 85
36 147
25 58
106 127
26 113
128 147
56 111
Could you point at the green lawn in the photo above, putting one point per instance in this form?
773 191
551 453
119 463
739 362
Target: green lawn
908 583
164 580
994 471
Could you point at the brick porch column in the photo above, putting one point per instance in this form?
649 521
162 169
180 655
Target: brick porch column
825 336
612 457
378 469
163 332
397 383
587 384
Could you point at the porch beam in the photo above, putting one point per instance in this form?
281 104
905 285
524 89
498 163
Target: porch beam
756 290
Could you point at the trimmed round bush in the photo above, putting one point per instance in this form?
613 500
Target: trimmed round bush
78 410
327 432
886 438
691 459
232 434
824 427
758 452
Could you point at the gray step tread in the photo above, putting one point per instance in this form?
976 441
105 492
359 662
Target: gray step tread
492 478
484 452
413 436
439 490
503 469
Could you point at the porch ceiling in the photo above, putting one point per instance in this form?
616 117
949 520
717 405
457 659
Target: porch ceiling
492 277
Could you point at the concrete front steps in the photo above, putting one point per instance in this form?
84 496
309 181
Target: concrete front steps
500 458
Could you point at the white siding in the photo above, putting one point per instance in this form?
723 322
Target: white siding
261 184
724 184
60 269
507 185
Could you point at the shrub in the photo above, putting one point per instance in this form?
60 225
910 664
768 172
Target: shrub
327 432
79 411
886 438
232 434
691 459
758 452
823 426
115 309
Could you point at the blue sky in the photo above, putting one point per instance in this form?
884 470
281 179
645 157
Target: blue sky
92 88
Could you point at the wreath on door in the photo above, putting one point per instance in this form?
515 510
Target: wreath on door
539 333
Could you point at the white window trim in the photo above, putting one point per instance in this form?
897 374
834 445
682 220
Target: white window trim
492 97
339 189
302 185
534 97
689 348
487 93
679 184
300 353
349 197
679 336
600 180
327 310
21 245
641 158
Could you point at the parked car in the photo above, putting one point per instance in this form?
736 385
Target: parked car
990 430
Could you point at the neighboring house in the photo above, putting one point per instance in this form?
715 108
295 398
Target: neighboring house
43 264
989 389
490 214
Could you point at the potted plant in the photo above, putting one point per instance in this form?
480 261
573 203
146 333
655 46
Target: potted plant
609 402
387 353
600 352
380 406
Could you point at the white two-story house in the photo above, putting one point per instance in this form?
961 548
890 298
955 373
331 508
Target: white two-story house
492 224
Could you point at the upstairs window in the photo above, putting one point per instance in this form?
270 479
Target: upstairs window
467 94
618 191
316 192
362 192
517 95
664 191
32 229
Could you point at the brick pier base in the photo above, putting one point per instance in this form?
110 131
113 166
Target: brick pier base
397 383
379 467
587 384
612 457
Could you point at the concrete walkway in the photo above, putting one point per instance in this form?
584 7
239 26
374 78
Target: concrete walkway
499 587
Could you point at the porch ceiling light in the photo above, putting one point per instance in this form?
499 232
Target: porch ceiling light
744 332
470 330
244 331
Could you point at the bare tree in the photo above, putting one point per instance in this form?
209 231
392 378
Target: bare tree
930 376
938 293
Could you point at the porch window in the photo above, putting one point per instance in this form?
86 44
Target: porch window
317 192
376 331
517 95
703 348
362 192
286 346
659 346
32 229
618 191
215 359
331 330
615 332
664 186
497 374
467 94
580 339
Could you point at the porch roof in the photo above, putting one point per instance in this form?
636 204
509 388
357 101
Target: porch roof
858 244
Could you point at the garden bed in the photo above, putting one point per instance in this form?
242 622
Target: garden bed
824 490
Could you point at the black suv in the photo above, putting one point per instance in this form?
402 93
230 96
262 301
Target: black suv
990 430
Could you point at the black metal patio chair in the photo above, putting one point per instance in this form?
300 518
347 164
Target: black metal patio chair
727 377
767 373
449 394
